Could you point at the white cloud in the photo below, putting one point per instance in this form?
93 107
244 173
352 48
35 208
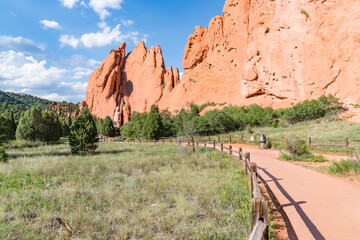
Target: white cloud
105 37
69 3
18 70
127 23
20 44
22 73
100 6
50 24
69 40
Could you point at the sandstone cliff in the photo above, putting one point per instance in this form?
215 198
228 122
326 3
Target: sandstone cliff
273 53
123 84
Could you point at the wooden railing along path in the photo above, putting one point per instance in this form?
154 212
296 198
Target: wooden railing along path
260 218
312 142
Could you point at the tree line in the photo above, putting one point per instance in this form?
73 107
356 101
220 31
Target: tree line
156 124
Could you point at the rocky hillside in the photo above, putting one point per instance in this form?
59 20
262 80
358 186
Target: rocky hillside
273 53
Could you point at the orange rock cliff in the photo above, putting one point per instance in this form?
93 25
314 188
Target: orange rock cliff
273 53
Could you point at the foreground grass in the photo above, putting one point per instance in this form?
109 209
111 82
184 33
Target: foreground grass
343 168
127 191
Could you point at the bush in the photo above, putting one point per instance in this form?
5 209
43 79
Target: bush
3 155
302 158
249 129
296 146
83 134
153 126
107 127
268 144
132 129
344 167
51 130
30 125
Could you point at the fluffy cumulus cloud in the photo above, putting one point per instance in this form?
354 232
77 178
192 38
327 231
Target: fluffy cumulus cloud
106 36
21 73
50 24
100 6
20 44
69 3
69 40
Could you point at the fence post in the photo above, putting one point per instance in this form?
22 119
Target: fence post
214 145
282 140
240 156
347 144
242 138
218 138
209 138
222 147
163 141
188 143
230 138
197 143
205 144
310 142
230 150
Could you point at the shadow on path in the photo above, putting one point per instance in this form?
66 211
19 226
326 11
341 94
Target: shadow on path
309 224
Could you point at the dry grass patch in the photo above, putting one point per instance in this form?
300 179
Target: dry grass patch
126 191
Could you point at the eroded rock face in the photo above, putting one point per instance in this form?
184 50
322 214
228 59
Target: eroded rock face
123 84
273 53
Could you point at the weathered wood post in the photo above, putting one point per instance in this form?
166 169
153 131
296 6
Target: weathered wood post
222 147
240 156
242 138
230 138
163 141
205 144
247 162
209 138
230 150
218 138
347 144
214 145
170 140
310 142
282 140
188 143
197 143
253 168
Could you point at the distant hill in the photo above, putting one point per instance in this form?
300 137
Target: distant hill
19 102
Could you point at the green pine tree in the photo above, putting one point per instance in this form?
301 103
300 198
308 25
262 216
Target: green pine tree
107 127
5 130
12 123
153 126
30 125
83 134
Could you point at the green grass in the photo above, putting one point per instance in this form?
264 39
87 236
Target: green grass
302 158
324 129
343 168
126 191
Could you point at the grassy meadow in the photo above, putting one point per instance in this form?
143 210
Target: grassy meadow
125 191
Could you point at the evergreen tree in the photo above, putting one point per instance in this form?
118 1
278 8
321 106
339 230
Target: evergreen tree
83 134
12 123
5 130
153 126
51 130
107 127
30 125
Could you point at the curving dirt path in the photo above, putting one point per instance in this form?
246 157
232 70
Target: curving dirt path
318 206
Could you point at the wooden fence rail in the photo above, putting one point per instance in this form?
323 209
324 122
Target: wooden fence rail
259 213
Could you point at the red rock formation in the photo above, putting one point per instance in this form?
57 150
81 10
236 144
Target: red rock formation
273 53
123 84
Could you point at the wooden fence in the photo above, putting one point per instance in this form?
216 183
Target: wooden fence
260 218
346 143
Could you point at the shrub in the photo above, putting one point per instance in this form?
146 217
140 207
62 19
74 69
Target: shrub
153 126
83 134
51 130
302 158
275 123
249 129
268 144
344 167
3 155
296 146
107 127
133 128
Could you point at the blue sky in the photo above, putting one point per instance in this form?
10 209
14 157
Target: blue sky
49 48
